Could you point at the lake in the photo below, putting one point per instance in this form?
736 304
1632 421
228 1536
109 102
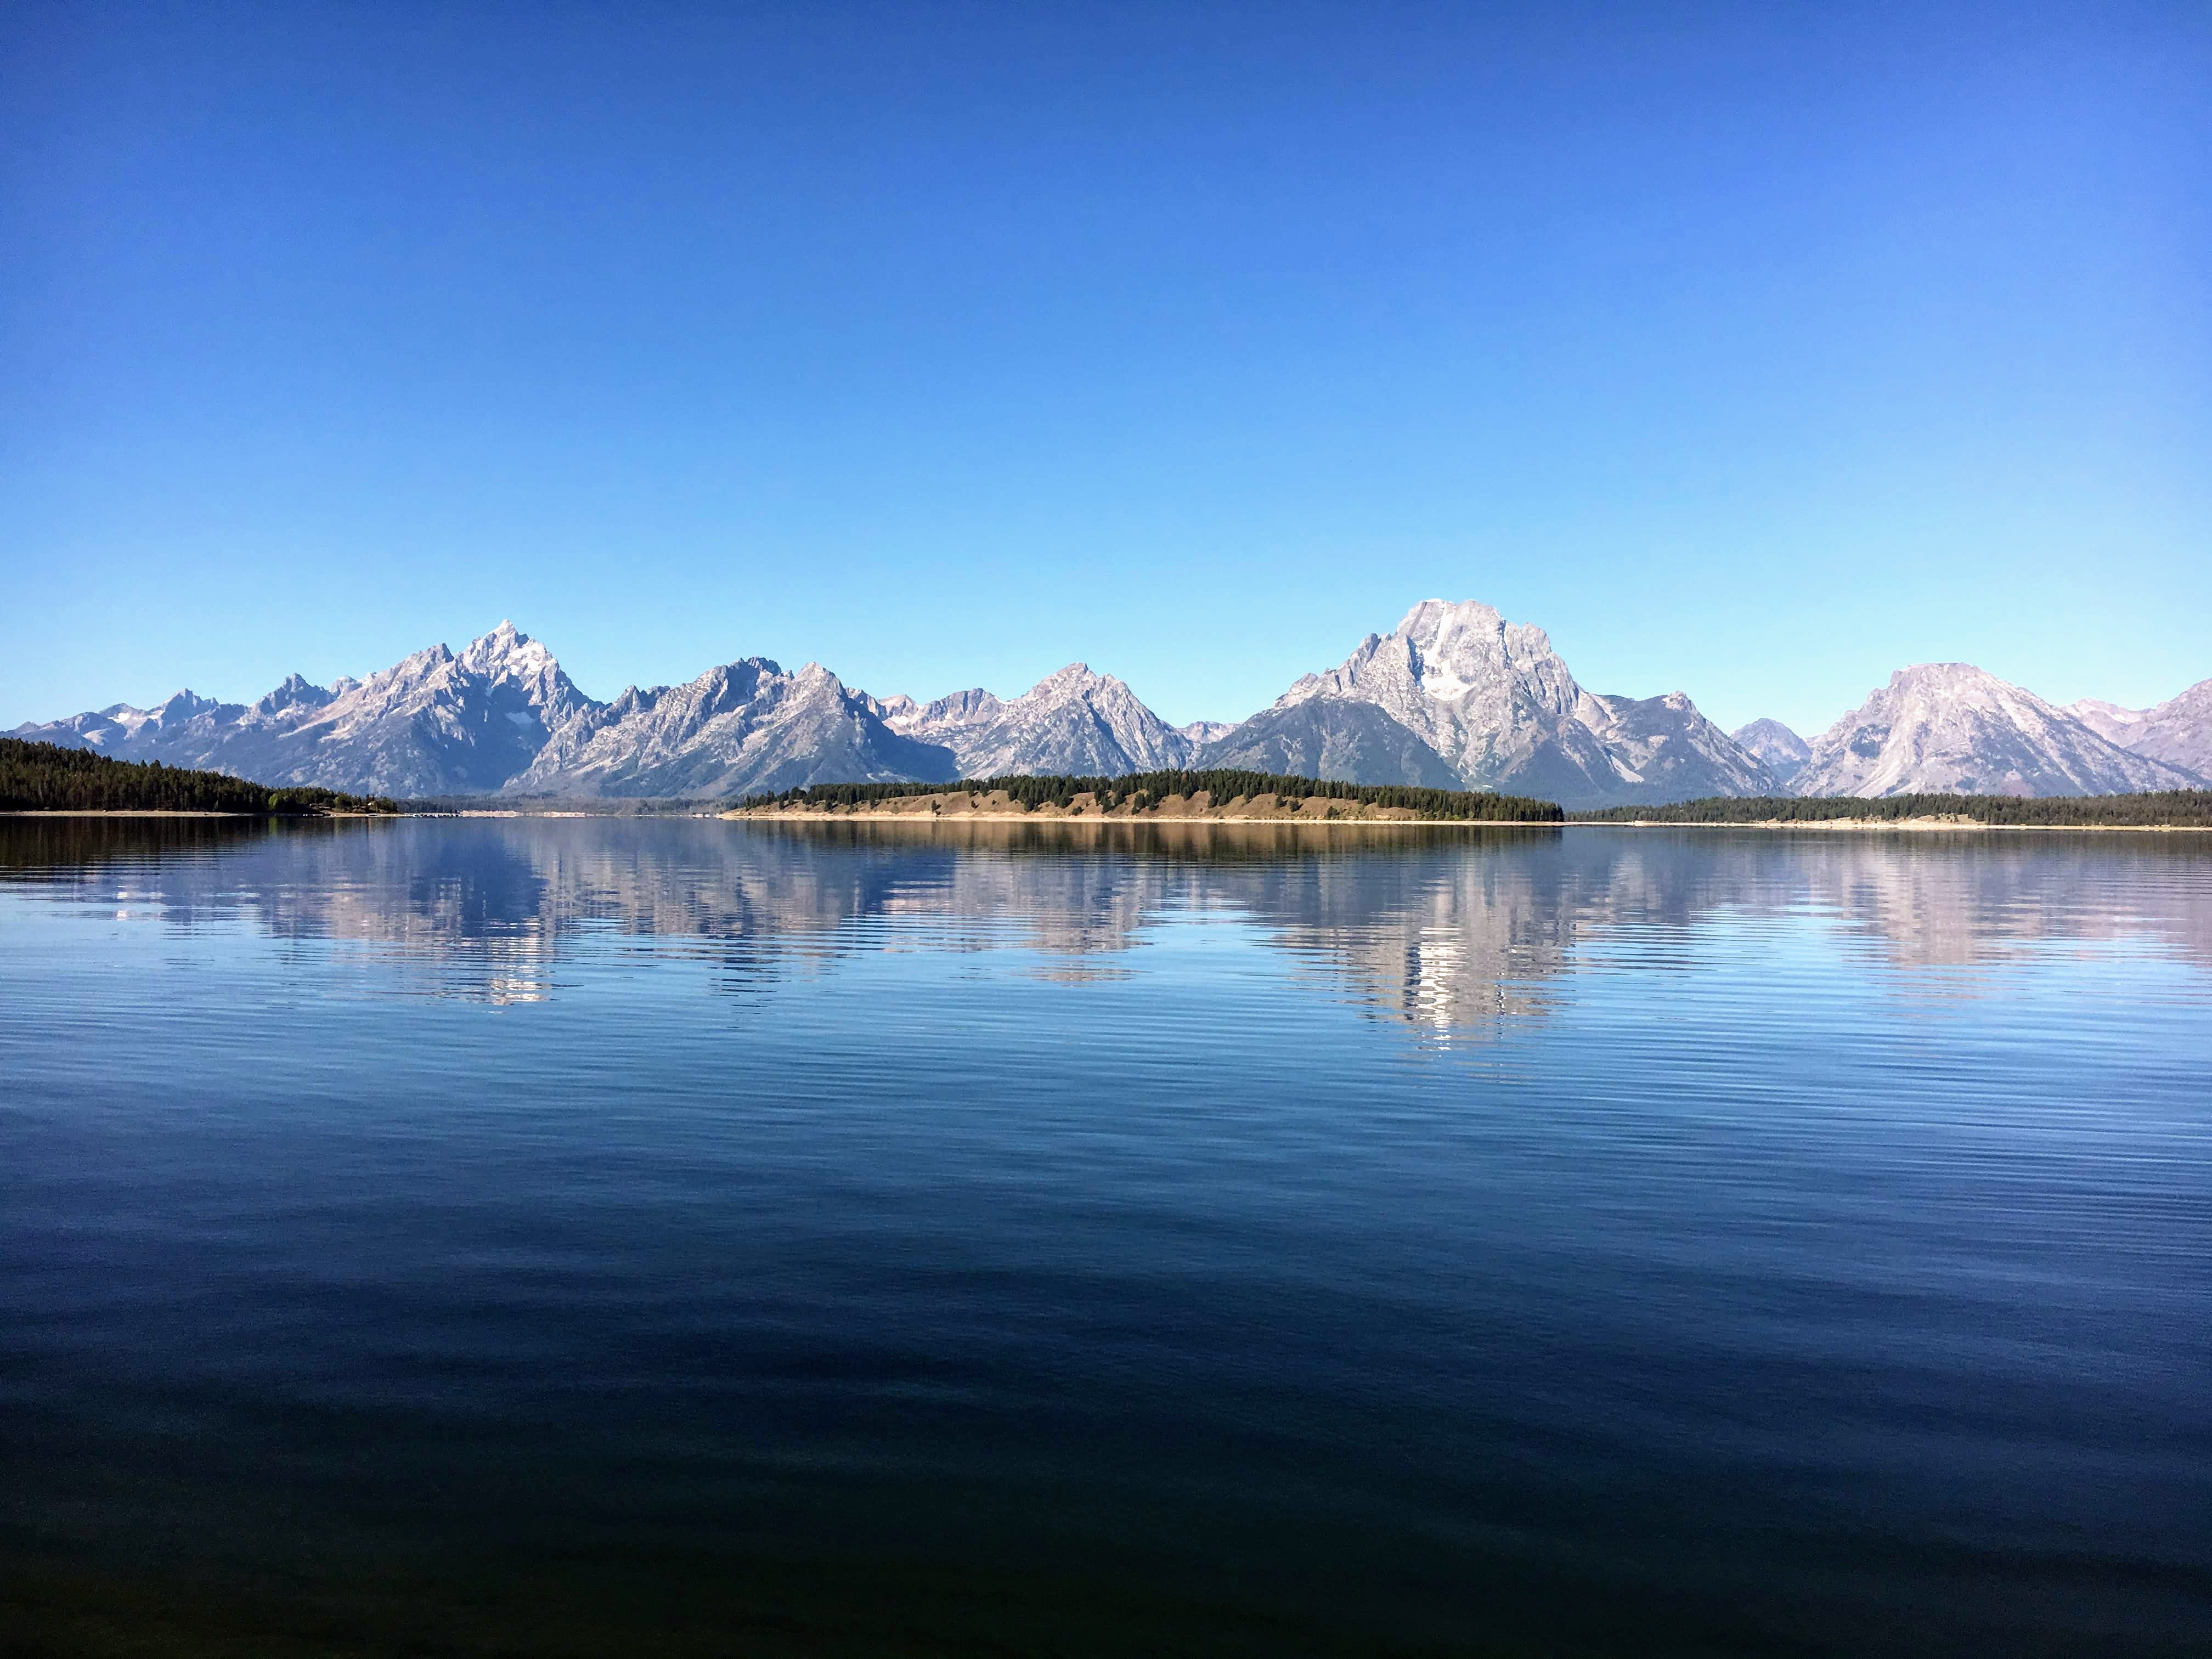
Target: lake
598 1235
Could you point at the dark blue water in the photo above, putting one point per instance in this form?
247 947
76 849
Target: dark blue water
582 1236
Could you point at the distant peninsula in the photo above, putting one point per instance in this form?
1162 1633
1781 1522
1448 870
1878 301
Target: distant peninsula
45 777
1219 796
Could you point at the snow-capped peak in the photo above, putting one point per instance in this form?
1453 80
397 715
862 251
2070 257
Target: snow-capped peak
1433 619
505 653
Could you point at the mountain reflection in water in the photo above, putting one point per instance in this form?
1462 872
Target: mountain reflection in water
1451 929
1066 1239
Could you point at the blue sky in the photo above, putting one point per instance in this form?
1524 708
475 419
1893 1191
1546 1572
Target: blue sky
1753 352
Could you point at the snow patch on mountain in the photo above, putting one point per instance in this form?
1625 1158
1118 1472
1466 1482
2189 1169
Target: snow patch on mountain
1498 704
1455 694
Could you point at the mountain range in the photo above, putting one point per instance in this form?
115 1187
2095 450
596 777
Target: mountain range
2178 731
1454 697
1458 696
1952 728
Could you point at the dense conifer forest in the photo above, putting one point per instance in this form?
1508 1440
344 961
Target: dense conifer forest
45 777
1149 788
2175 808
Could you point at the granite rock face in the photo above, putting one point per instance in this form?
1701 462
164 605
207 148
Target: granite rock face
1951 727
1453 696
1496 704
1780 751
502 716
2178 731
1201 732
745 728
1330 738
1075 723
433 724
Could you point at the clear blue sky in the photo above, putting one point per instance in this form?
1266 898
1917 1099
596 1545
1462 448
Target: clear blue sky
1753 352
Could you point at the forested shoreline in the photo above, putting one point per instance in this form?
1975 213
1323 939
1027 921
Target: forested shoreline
1142 789
2177 809
47 777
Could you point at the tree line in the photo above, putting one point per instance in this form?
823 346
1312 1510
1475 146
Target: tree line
47 777
2171 808
1142 789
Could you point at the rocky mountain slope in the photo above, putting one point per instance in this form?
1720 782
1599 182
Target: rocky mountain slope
2177 731
1455 695
1074 723
1331 737
1951 727
501 715
1201 732
745 728
1780 751
1495 704
432 724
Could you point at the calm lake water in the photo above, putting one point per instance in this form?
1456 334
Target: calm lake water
590 1235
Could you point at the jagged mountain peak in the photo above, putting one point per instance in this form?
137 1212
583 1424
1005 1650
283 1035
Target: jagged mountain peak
1073 680
1461 642
1774 745
1446 651
1494 701
1944 726
295 691
2178 731
2106 719
1767 730
743 728
961 707
1074 721
1205 732
410 668
1456 693
1954 679
505 650
894 708
1440 624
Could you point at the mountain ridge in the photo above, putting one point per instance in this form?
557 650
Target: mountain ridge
1952 728
2178 731
1782 750
1498 706
1455 696
1074 721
